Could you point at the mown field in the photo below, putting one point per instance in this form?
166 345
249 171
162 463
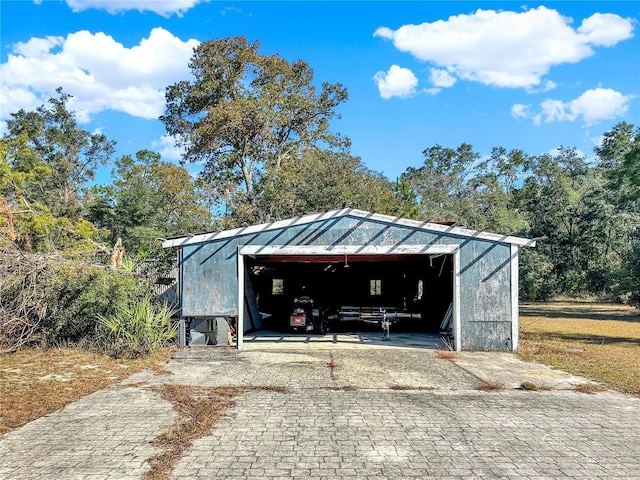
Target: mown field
594 340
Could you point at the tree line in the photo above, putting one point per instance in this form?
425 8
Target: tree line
259 127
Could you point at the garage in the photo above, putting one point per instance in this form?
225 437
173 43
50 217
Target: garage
353 269
354 291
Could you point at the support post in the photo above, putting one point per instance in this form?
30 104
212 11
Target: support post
457 328
182 329
183 333
515 306
240 323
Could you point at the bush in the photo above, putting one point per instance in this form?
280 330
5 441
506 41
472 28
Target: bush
51 300
80 295
137 329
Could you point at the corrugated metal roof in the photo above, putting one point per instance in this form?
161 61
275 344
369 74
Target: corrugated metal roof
427 226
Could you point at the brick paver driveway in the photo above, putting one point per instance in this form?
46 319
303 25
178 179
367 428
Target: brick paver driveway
345 414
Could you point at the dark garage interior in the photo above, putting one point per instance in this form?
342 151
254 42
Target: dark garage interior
416 291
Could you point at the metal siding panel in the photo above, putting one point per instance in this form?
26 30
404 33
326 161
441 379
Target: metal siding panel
210 279
487 336
485 295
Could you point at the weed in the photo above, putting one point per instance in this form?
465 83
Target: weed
529 386
332 365
270 388
446 354
138 329
589 388
198 412
344 388
199 409
410 387
486 386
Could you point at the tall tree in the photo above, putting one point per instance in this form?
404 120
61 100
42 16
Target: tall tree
442 184
494 185
619 156
46 161
244 111
49 141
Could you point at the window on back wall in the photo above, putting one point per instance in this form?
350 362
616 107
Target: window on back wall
375 287
277 286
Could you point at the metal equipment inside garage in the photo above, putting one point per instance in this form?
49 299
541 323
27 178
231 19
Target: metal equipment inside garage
356 267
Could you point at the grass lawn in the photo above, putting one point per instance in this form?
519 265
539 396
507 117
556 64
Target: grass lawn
36 382
597 341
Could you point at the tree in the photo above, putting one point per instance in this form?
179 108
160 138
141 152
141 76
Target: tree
57 157
619 156
323 180
442 183
584 235
494 185
46 161
147 200
245 111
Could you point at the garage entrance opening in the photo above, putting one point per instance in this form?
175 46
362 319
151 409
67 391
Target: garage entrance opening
353 292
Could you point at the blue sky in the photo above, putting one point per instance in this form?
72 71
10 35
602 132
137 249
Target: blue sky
532 76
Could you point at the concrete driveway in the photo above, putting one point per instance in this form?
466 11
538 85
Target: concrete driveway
347 412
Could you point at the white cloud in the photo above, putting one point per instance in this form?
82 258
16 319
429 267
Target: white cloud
548 85
605 29
98 71
167 148
396 82
599 104
166 8
591 107
442 78
507 49
520 111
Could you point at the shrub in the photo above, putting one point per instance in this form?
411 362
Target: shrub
137 329
80 295
52 300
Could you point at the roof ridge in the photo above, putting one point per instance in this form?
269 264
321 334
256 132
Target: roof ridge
334 214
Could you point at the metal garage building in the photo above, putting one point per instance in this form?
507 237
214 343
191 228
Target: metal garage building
352 262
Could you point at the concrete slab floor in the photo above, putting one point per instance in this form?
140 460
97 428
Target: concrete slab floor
264 339
346 413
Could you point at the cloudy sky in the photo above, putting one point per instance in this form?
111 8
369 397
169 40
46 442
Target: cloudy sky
532 76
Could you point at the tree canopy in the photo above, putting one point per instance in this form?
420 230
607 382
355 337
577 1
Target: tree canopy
245 111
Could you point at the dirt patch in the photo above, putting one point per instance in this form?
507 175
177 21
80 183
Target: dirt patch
411 387
198 412
37 382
